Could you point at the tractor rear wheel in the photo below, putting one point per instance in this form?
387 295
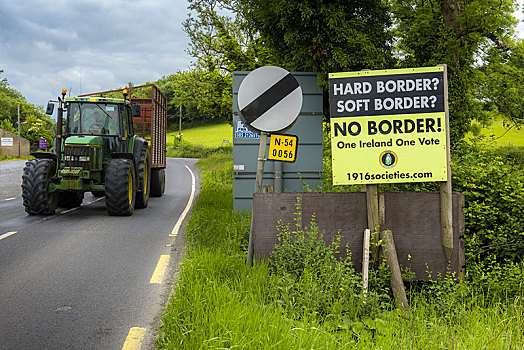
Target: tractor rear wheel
144 179
120 187
158 182
70 199
35 187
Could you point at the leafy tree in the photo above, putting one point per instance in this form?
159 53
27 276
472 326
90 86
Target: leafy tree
7 126
222 41
453 32
221 38
324 36
34 123
208 93
501 85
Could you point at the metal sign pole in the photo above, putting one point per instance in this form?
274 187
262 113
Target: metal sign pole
258 188
18 129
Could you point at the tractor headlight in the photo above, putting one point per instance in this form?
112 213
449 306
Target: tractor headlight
75 158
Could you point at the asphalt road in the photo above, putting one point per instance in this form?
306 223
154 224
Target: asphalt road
80 279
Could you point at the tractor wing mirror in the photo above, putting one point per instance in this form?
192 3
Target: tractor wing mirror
135 110
50 108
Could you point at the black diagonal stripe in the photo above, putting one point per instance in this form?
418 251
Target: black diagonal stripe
269 98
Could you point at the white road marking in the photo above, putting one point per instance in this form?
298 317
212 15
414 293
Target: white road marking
69 210
73 209
8 234
10 199
96 200
174 233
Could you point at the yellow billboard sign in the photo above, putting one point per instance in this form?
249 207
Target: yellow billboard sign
388 126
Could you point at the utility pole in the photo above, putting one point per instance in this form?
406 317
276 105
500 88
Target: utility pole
180 123
18 129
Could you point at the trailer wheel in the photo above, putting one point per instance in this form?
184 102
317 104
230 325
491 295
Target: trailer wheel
35 183
158 182
144 179
120 187
70 199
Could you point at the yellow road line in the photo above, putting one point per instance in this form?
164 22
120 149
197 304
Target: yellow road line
158 275
134 338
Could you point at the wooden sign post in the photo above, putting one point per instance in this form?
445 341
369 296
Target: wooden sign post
446 210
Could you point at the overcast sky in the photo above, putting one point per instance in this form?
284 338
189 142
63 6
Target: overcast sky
92 45
89 45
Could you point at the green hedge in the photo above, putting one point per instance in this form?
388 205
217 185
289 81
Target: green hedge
492 181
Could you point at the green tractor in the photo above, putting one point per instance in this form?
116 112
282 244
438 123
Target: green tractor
97 152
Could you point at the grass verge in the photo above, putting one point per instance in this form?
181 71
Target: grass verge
6 158
221 303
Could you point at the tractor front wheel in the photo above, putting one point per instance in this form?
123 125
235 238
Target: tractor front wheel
120 187
35 187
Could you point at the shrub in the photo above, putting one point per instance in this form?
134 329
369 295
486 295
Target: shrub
493 185
182 149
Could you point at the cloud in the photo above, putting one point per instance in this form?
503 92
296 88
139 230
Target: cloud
88 46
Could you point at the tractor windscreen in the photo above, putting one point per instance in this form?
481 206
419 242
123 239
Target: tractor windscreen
92 119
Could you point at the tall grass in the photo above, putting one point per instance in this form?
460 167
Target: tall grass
219 303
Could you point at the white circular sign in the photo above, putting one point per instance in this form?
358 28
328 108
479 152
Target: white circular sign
269 99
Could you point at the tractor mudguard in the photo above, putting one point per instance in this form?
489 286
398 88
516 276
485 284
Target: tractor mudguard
120 155
45 155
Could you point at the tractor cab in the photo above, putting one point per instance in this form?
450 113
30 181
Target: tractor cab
102 118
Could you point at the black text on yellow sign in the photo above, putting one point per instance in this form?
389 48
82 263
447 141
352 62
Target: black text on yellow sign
388 149
283 147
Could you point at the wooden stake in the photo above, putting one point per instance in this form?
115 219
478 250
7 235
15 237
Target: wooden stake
365 262
446 219
397 285
262 147
373 217
381 211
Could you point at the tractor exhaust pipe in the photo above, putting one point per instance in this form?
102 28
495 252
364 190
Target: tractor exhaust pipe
59 127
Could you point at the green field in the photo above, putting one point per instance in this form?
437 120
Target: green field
207 136
501 136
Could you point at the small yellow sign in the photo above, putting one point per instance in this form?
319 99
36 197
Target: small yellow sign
283 147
